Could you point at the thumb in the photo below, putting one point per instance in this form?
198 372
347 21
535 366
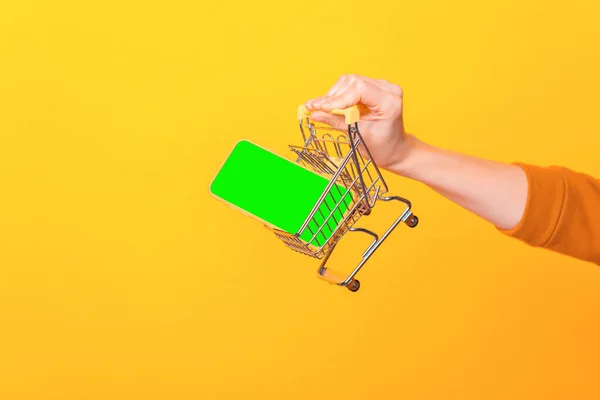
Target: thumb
335 121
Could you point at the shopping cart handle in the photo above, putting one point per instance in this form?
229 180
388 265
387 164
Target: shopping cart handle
351 114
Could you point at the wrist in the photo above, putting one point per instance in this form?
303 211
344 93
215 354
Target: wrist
411 151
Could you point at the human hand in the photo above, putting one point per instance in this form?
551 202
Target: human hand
381 124
497 192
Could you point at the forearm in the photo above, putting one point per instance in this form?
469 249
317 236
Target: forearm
494 191
550 207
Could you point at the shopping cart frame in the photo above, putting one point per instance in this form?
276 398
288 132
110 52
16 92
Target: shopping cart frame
337 156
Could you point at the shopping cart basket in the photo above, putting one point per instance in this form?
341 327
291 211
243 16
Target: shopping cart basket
355 186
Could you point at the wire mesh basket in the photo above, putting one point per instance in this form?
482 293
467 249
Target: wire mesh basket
355 186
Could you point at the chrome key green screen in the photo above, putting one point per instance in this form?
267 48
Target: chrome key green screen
279 192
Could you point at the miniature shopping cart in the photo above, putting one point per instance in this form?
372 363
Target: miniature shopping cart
355 186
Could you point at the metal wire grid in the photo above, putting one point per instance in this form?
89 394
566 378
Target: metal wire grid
354 186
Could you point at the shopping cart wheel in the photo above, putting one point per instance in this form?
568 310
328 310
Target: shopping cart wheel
354 285
412 221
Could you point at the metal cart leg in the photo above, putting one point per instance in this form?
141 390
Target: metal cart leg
350 282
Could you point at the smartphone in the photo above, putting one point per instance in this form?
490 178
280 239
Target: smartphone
279 192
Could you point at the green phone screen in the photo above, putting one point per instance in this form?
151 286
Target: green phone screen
279 192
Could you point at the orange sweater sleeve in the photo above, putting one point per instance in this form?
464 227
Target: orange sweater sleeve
562 212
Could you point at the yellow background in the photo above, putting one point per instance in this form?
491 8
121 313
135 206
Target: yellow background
121 278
